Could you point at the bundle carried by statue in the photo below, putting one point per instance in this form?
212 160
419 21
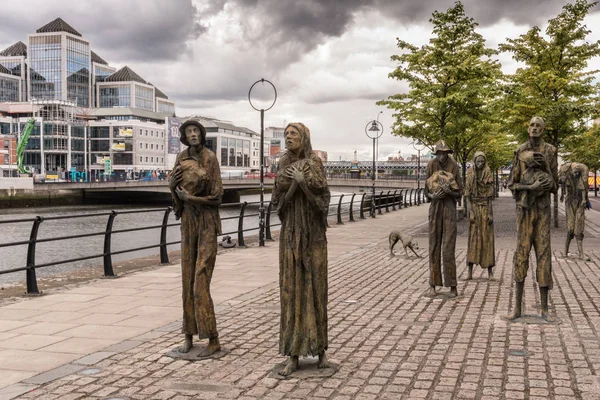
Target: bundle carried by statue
439 178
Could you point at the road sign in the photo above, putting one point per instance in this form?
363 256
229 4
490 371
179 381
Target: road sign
107 166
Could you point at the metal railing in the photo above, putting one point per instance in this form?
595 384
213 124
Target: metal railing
338 208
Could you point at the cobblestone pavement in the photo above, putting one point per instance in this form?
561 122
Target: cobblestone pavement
391 341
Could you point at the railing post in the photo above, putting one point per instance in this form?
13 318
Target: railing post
362 206
405 198
416 197
164 254
241 226
379 205
32 287
351 216
387 200
339 211
108 268
394 200
268 223
410 197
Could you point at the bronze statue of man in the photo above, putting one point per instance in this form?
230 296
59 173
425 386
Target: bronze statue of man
573 180
479 192
197 190
444 187
533 178
301 197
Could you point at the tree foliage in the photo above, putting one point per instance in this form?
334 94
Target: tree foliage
554 82
585 148
453 81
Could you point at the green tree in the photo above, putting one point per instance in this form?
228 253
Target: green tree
452 83
554 82
585 149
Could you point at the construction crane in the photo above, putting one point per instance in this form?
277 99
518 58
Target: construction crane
23 144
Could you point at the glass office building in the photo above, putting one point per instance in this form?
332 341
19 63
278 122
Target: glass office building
86 110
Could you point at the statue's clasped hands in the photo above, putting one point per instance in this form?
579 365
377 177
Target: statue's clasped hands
297 174
175 178
182 193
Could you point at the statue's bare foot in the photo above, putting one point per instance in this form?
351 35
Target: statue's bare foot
290 367
213 347
490 273
432 292
187 345
453 292
546 316
323 361
514 315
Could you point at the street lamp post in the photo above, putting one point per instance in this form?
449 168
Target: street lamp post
373 130
261 210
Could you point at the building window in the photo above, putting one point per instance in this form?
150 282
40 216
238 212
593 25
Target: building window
162 134
151 159
141 145
144 98
140 132
141 160
146 159
162 160
151 146
115 96
146 146
162 146
146 132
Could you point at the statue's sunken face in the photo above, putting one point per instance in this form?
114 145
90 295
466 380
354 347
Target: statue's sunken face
193 135
441 156
479 162
536 127
293 139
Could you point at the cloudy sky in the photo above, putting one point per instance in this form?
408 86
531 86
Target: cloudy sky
329 59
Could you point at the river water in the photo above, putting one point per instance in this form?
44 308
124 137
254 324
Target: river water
47 252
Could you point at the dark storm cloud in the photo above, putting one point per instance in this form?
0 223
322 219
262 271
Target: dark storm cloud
120 31
307 23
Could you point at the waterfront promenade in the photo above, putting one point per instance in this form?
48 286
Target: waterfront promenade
108 338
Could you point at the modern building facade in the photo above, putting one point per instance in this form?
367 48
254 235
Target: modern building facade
90 117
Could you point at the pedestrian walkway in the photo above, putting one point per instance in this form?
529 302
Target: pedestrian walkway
108 339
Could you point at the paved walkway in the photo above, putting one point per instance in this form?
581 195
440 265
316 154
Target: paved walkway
107 339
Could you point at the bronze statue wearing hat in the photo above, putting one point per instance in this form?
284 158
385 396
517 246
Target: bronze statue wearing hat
196 186
444 187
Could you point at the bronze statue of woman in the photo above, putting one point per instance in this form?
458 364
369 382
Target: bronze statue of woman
195 183
301 197
479 191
